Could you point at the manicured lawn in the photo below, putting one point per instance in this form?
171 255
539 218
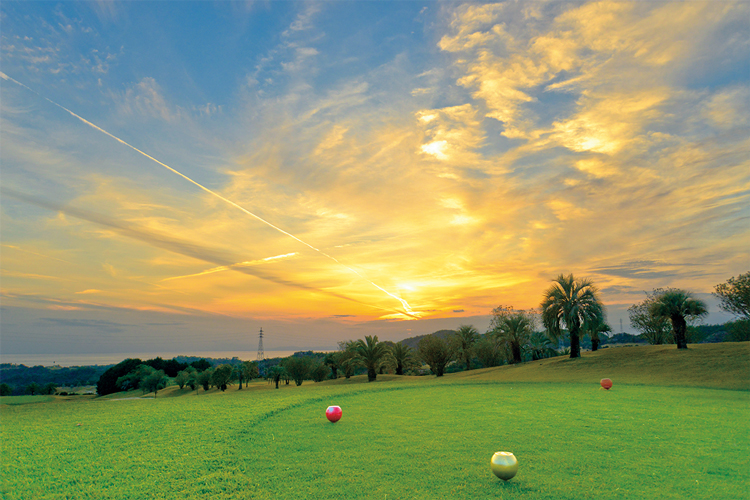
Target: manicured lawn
426 438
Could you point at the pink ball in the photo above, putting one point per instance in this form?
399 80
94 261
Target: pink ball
606 383
333 413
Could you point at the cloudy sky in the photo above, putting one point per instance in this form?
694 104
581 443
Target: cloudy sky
177 175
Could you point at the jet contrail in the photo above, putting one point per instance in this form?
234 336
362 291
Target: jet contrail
407 309
169 242
233 266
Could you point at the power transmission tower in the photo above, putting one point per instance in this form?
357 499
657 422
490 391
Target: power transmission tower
261 354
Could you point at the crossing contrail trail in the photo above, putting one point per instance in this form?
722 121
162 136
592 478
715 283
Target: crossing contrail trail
407 309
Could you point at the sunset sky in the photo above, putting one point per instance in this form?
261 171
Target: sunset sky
177 175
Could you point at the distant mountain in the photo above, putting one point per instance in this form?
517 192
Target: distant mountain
413 342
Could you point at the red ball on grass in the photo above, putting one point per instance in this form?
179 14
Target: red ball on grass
333 413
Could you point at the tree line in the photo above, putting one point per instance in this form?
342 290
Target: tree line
570 310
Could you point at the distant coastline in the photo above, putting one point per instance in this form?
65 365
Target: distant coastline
99 359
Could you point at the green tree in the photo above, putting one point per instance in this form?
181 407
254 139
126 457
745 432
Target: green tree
192 380
333 361
679 307
222 377
573 303
350 361
400 357
275 374
594 330
33 388
298 368
656 330
734 295
107 383
201 365
155 380
320 372
49 388
204 378
133 379
372 352
513 329
739 331
540 346
436 353
5 389
182 378
489 350
463 342
247 370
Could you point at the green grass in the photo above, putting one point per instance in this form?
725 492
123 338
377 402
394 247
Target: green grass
406 438
24 400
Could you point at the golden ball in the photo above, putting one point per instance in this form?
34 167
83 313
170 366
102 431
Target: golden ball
504 465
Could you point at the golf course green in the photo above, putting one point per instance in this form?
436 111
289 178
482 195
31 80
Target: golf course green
674 425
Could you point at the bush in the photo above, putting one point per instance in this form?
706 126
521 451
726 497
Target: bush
739 331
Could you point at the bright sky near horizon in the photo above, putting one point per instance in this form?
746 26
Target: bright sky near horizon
177 175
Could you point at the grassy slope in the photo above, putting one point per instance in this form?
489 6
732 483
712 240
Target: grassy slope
715 366
405 437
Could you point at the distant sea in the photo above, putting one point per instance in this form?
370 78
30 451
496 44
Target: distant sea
113 359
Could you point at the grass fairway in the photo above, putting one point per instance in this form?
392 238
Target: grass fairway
399 438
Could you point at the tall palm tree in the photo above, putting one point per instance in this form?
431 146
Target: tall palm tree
463 342
400 356
371 351
514 330
679 306
573 303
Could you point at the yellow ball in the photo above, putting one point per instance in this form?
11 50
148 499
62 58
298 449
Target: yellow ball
504 465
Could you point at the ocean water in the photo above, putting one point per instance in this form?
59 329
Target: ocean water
114 358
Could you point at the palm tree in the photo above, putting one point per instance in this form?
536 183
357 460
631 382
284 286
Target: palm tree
276 374
593 330
655 329
573 303
400 356
514 330
463 342
679 306
541 346
371 351
333 361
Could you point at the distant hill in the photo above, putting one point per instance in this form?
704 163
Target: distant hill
413 342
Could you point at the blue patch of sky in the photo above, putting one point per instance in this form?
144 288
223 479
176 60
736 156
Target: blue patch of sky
552 105
199 50
724 59
360 37
495 143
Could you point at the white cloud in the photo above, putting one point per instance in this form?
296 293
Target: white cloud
145 99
